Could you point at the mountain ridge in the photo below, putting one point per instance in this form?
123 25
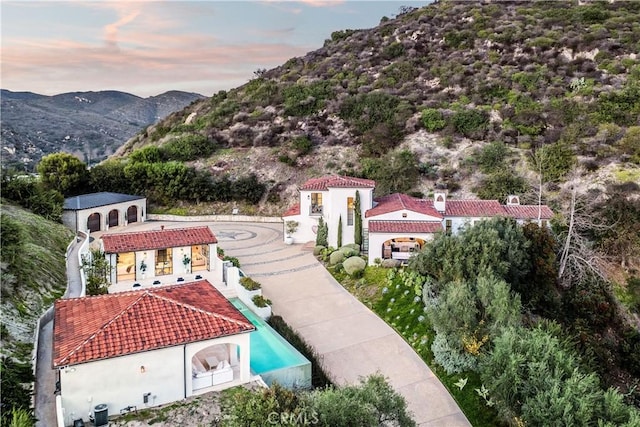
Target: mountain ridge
90 125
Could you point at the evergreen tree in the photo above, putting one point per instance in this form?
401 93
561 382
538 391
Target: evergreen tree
357 238
340 231
323 233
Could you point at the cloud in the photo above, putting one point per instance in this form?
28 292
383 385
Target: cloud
111 30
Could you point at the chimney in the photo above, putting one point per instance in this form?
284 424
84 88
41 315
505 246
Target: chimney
513 200
440 200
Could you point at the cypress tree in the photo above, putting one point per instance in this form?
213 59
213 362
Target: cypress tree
340 231
357 238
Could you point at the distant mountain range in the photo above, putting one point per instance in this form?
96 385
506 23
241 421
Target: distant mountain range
91 125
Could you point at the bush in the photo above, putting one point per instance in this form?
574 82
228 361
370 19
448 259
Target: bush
249 284
492 156
432 119
354 265
390 263
554 160
260 301
317 250
500 184
470 122
349 252
336 257
451 359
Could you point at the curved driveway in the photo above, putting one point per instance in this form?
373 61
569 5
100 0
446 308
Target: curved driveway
351 340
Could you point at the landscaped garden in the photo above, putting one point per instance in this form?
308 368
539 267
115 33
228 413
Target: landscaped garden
395 295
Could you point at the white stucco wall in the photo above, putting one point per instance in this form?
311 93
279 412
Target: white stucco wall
334 203
398 216
77 219
119 382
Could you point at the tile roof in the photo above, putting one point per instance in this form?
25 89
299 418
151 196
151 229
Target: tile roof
93 328
528 211
157 239
474 208
293 210
396 202
326 182
404 227
94 200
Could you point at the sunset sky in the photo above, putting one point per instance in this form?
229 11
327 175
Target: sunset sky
149 47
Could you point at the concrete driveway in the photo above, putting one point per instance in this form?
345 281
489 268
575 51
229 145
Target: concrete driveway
352 341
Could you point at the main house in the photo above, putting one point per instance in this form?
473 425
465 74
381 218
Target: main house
396 225
145 348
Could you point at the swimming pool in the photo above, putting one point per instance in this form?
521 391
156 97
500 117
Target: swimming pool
272 357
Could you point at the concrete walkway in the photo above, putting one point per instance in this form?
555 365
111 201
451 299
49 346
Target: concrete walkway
45 384
352 341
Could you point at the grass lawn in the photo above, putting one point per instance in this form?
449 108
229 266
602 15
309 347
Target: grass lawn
396 299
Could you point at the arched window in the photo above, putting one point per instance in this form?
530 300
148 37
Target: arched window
132 214
113 218
93 222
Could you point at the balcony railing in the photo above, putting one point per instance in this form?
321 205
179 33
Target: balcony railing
315 210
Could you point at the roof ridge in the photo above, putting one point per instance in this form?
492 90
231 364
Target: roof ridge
193 307
103 327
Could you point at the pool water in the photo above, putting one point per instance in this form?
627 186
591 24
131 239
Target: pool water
269 351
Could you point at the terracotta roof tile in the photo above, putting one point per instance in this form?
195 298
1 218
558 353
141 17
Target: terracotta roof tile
157 239
528 211
396 202
404 227
293 210
474 208
100 327
326 182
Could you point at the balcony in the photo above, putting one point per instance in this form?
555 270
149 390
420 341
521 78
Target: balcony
315 210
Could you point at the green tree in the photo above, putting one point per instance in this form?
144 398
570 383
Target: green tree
16 395
109 175
491 157
340 231
496 246
31 194
357 238
500 184
245 408
148 154
64 173
97 270
531 374
553 161
396 172
323 233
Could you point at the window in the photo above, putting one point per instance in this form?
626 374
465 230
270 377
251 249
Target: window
448 226
164 262
316 203
350 210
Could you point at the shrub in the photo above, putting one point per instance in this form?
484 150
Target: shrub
317 250
390 263
354 265
189 147
336 257
249 284
432 119
451 359
630 143
353 246
500 184
470 122
349 252
491 156
554 160
260 301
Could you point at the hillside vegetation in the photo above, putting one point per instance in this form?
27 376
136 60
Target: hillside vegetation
32 259
423 94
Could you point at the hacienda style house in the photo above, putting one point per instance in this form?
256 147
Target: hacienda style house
396 225
100 211
147 347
